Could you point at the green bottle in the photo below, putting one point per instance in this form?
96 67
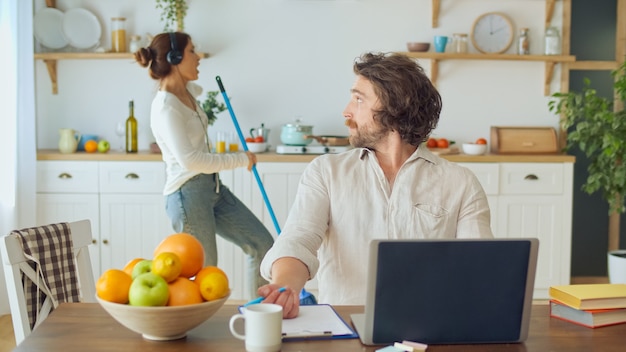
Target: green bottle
131 130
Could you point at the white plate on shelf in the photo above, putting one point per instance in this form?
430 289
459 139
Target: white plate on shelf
48 28
81 28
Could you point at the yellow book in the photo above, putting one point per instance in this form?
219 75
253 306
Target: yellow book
591 296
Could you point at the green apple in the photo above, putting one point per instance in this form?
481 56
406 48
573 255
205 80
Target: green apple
104 146
142 267
148 289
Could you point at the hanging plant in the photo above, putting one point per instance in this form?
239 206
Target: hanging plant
173 11
211 106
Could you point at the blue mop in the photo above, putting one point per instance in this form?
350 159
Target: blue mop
306 298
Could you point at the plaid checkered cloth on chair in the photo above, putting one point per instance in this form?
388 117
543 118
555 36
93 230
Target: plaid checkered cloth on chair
51 255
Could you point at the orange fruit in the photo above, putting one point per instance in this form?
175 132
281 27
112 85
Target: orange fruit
183 291
167 265
431 143
189 250
91 146
113 286
442 143
206 271
213 286
128 268
481 141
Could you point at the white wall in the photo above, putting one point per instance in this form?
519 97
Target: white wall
280 59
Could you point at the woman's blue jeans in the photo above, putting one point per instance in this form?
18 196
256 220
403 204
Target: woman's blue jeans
196 208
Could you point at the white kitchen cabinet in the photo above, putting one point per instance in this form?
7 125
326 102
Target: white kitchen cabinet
131 226
536 201
280 181
132 211
68 191
123 201
281 185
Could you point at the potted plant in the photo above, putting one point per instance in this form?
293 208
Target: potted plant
597 127
173 11
211 106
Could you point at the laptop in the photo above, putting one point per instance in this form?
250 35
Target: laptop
456 291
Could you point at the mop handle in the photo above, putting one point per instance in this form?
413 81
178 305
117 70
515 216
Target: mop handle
245 148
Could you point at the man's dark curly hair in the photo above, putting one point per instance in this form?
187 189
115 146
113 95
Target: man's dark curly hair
410 104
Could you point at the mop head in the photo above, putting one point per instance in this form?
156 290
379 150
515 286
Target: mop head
306 298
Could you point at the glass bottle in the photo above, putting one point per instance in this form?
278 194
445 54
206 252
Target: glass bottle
118 34
552 41
460 42
523 43
131 130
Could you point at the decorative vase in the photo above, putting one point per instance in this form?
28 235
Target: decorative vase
617 266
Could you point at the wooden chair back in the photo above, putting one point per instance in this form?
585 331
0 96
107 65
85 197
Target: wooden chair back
16 264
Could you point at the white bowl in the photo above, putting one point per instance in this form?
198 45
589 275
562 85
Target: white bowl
257 147
162 323
474 149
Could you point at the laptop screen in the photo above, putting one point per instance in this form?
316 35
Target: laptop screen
452 291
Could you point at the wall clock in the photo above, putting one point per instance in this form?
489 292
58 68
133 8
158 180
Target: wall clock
492 33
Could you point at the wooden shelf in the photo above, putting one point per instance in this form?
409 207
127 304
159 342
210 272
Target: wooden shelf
50 59
512 57
549 60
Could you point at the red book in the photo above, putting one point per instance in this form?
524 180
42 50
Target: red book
591 318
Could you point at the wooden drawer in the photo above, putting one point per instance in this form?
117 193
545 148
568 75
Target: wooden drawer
132 177
67 177
487 174
525 178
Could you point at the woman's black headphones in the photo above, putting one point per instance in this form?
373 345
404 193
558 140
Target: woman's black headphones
174 56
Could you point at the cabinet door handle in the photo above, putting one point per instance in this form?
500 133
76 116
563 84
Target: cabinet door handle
105 241
131 176
531 177
93 241
64 176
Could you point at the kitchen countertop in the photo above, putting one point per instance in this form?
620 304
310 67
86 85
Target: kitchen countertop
53 154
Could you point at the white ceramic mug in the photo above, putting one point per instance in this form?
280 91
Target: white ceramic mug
263 327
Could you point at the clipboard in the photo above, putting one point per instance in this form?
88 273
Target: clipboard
316 322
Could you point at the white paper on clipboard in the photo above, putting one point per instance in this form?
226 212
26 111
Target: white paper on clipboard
315 321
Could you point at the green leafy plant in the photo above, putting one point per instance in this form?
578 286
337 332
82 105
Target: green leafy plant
211 106
599 131
173 11
597 127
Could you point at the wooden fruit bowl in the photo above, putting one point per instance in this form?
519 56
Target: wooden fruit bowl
162 323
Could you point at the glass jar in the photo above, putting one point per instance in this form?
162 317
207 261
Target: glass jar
460 42
118 34
552 41
523 43
135 43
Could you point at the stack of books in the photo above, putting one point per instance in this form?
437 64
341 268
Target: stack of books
592 305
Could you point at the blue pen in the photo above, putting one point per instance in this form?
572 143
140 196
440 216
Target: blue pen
260 299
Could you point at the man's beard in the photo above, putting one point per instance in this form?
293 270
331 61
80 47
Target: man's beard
368 138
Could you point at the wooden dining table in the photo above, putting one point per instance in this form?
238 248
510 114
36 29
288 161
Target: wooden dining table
87 327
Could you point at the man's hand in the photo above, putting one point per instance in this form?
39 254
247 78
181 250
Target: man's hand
288 299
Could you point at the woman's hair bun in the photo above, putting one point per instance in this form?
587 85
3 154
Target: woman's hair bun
144 56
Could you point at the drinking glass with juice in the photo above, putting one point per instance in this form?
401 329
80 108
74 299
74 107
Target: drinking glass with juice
233 143
220 144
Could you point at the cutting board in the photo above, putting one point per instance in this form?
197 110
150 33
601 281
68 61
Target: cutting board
445 151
